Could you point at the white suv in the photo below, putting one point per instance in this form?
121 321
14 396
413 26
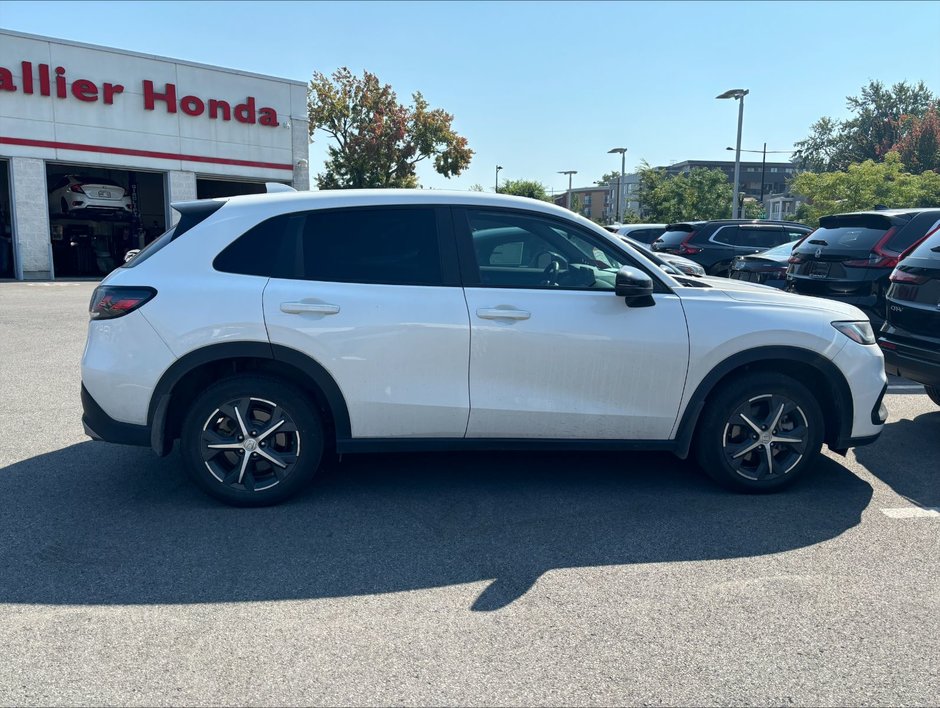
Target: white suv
262 331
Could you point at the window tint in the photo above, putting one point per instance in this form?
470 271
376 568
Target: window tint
793 235
758 238
521 251
727 235
930 247
271 249
397 246
908 235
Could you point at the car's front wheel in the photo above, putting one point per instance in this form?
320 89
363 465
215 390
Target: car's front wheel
760 432
934 393
252 440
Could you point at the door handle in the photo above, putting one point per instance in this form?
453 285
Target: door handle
318 308
495 313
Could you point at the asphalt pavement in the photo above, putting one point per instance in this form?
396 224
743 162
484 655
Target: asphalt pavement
510 579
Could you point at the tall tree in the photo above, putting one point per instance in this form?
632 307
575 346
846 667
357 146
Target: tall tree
881 117
697 194
863 186
524 188
376 140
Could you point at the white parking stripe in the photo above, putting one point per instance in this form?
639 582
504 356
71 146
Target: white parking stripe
895 387
912 512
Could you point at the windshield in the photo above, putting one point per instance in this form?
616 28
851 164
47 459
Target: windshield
674 238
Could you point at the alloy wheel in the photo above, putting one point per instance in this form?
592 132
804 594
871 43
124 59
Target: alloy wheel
765 437
250 444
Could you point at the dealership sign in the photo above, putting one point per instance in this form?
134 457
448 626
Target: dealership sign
39 80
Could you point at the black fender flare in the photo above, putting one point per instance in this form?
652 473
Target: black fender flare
163 391
839 389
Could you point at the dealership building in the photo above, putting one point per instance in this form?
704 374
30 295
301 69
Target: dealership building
96 143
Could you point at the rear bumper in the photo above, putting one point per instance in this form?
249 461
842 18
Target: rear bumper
914 363
100 426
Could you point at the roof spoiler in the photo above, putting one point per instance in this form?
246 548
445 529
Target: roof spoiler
271 187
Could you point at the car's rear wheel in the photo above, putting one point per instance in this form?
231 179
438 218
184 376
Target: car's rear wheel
934 393
252 441
760 433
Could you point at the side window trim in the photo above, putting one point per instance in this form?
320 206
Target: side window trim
469 268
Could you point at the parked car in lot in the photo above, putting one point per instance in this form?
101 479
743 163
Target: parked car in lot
850 257
715 244
683 265
264 330
73 194
644 233
910 338
767 267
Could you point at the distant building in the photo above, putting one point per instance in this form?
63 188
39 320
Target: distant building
593 201
629 187
776 176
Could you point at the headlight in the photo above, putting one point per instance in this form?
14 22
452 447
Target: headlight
860 332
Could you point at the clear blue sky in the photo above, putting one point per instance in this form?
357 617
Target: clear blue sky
539 87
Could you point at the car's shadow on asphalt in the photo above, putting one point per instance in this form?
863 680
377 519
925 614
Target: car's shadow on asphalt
907 458
102 524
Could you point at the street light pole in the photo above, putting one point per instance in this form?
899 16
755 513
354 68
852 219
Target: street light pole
569 173
623 163
498 168
763 164
737 95
763 171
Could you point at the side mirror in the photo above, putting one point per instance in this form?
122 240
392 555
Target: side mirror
634 286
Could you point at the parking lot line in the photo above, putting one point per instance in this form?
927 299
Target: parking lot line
912 512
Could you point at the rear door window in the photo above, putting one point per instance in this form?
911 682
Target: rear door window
385 245
764 237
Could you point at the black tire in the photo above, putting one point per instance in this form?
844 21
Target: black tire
732 445
934 393
229 471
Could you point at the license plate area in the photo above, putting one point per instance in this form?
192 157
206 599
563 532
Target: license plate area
818 270
104 194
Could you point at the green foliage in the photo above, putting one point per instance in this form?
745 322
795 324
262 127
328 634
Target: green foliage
577 203
476 187
525 188
376 140
882 117
863 186
698 194
632 217
607 178
752 210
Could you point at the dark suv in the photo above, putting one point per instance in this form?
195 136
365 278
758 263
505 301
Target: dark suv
910 338
715 244
850 256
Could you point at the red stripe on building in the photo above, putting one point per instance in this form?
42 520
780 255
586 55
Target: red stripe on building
143 153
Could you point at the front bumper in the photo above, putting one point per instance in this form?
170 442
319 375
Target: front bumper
100 426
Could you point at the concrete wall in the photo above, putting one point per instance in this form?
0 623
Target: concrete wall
30 211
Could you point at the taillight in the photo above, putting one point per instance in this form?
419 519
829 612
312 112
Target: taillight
77 188
110 301
685 249
878 258
902 276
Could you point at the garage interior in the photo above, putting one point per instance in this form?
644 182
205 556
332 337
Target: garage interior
91 242
6 223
